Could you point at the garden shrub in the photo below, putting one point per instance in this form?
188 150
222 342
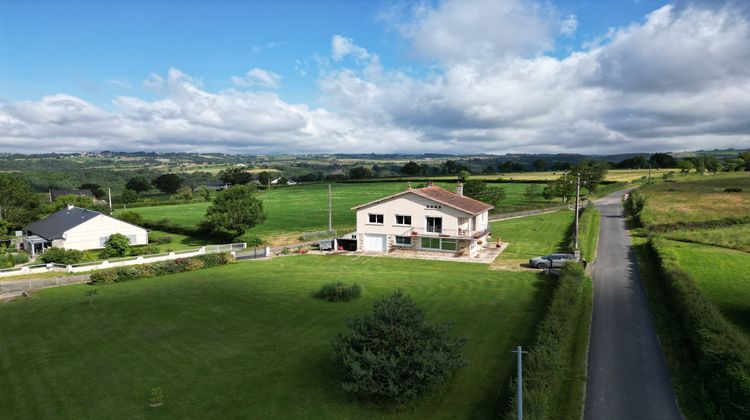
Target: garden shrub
132 217
144 250
162 240
339 292
61 256
393 355
117 245
20 258
716 353
161 268
635 203
549 356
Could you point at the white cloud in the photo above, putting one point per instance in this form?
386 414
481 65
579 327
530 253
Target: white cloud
569 25
120 83
257 77
342 47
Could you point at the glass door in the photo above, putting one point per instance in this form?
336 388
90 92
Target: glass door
435 224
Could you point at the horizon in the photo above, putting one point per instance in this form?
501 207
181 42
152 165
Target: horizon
385 77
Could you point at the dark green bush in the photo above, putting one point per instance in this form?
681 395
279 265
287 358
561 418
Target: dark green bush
180 265
61 256
132 217
717 352
394 355
20 258
548 358
635 203
144 250
117 245
733 190
339 292
162 240
214 260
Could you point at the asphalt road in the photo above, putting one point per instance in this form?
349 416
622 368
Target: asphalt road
627 374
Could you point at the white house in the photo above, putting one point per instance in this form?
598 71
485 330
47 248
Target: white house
78 228
430 219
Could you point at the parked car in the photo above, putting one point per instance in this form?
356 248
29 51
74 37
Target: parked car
551 260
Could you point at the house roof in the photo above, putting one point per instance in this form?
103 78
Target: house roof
53 226
442 196
60 192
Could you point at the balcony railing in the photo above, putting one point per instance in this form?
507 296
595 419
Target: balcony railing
447 233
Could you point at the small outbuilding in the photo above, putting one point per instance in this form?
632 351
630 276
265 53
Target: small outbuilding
78 228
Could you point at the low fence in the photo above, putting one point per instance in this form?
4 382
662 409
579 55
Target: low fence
14 288
528 212
321 234
120 262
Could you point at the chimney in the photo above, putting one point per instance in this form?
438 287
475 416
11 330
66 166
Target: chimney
460 189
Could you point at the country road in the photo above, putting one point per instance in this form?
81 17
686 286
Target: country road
627 374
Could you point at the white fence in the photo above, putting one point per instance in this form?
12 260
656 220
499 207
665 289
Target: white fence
120 262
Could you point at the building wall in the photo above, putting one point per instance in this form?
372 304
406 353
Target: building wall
409 205
89 235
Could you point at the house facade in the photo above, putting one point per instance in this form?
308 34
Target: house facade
78 228
430 219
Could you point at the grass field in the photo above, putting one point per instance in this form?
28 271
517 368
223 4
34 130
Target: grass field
249 341
304 208
532 236
722 275
734 237
696 198
617 175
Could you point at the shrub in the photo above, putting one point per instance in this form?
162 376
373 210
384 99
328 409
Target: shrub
132 217
733 190
144 250
20 258
189 264
162 240
117 245
103 277
180 265
716 352
548 359
635 203
61 256
339 292
394 355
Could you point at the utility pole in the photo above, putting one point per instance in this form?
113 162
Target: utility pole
649 173
520 381
578 198
109 193
330 210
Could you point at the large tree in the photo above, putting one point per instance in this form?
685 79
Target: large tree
360 172
478 190
592 172
236 176
138 184
168 183
663 160
234 211
81 201
411 168
265 178
393 355
18 203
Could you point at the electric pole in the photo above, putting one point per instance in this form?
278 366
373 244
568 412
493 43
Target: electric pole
109 193
520 381
649 173
578 198
330 210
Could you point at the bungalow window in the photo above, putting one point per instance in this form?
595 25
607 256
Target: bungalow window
435 224
376 219
448 244
439 243
403 240
403 220
431 243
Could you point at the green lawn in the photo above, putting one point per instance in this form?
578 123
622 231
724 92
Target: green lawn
532 236
249 341
722 275
735 237
304 208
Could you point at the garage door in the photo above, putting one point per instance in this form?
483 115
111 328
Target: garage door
375 243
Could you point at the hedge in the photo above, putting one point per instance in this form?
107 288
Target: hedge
717 353
548 361
179 265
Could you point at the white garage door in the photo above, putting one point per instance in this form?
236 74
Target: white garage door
375 243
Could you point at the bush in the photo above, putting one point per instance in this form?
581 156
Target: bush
144 250
733 190
20 259
61 256
117 245
161 268
394 355
716 352
548 359
339 292
635 203
134 218
162 240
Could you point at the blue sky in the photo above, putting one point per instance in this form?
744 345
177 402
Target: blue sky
94 52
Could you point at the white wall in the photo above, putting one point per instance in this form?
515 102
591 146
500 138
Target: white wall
88 234
408 205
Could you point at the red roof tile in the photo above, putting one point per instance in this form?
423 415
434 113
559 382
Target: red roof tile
442 196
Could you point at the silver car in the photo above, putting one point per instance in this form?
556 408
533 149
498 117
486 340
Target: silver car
551 260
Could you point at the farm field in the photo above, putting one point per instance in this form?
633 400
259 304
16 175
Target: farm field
734 237
695 198
616 175
722 275
304 208
249 341
532 236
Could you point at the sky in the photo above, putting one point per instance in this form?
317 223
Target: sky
448 76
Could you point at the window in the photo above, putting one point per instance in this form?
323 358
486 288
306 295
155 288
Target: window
403 220
435 224
448 244
431 243
403 240
376 219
